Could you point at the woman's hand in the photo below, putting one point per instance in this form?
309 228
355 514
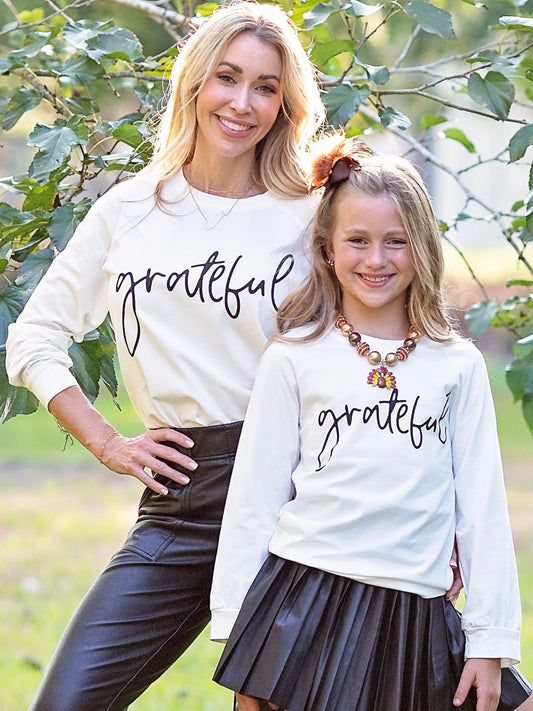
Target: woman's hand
133 455
485 676
124 455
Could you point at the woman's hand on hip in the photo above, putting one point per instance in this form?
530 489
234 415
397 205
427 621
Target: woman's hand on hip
134 455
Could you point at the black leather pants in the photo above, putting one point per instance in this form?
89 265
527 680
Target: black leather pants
152 600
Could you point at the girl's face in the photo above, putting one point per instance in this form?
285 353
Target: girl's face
373 260
240 101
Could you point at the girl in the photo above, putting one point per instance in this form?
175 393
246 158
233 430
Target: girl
369 442
191 259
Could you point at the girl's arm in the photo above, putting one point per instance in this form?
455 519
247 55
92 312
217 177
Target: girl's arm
491 617
261 484
124 455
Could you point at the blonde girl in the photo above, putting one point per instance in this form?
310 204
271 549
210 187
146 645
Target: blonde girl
369 443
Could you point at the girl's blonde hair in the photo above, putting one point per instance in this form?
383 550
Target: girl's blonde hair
279 156
318 300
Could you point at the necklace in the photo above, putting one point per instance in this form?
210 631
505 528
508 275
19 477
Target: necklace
380 376
223 213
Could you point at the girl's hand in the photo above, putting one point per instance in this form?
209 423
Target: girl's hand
133 455
249 703
485 676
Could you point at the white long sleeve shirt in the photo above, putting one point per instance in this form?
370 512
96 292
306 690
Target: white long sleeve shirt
373 484
192 307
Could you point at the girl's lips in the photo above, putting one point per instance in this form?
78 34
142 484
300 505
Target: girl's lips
234 126
376 280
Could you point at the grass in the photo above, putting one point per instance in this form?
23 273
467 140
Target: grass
62 515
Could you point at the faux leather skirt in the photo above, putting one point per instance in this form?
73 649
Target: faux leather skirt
313 641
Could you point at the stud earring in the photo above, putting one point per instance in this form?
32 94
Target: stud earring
331 263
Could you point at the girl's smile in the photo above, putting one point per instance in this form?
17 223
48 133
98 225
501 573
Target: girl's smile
373 260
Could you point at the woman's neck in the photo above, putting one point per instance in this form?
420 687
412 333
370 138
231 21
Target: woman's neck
226 178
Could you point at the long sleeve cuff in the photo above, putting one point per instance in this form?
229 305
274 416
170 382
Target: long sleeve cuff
46 382
493 643
222 622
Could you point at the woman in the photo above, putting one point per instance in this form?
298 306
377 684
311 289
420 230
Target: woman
191 259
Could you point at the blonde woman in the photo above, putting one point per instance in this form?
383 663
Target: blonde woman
191 259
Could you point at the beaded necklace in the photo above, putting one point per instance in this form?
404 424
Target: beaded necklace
380 376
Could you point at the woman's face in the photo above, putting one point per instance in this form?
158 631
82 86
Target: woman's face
240 101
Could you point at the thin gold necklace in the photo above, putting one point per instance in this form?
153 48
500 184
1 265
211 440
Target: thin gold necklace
223 213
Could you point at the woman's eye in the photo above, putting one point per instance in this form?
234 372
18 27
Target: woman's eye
226 78
266 89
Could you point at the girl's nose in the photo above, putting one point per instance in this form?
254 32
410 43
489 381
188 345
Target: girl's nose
375 256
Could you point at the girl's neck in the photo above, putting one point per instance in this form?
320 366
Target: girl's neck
378 324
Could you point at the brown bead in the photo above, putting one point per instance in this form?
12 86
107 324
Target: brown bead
354 338
363 348
402 353
410 344
346 328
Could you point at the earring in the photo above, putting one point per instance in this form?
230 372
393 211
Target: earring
331 263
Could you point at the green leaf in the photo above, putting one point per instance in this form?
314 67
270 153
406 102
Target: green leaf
318 15
495 92
519 282
22 100
527 410
379 75
516 23
479 317
129 134
428 120
13 298
343 101
476 4
360 9
40 197
457 135
13 401
322 52
62 224
520 142
390 117
524 349
86 357
55 144
34 267
431 19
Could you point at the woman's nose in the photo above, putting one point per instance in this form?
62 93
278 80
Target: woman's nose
241 100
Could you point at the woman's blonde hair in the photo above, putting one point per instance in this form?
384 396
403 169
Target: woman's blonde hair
318 300
279 156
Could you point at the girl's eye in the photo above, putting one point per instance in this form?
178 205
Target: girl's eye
398 242
226 78
266 89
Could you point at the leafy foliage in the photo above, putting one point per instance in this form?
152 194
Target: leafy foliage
412 70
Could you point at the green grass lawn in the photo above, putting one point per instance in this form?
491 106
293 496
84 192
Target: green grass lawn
62 515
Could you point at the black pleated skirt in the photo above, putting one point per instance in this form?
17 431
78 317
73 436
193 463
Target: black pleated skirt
313 641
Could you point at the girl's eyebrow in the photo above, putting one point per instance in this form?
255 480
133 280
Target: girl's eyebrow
238 70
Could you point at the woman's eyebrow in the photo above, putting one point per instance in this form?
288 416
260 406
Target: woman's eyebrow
239 70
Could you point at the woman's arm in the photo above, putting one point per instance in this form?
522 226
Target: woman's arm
124 455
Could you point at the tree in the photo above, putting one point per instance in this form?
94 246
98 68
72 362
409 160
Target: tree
412 70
